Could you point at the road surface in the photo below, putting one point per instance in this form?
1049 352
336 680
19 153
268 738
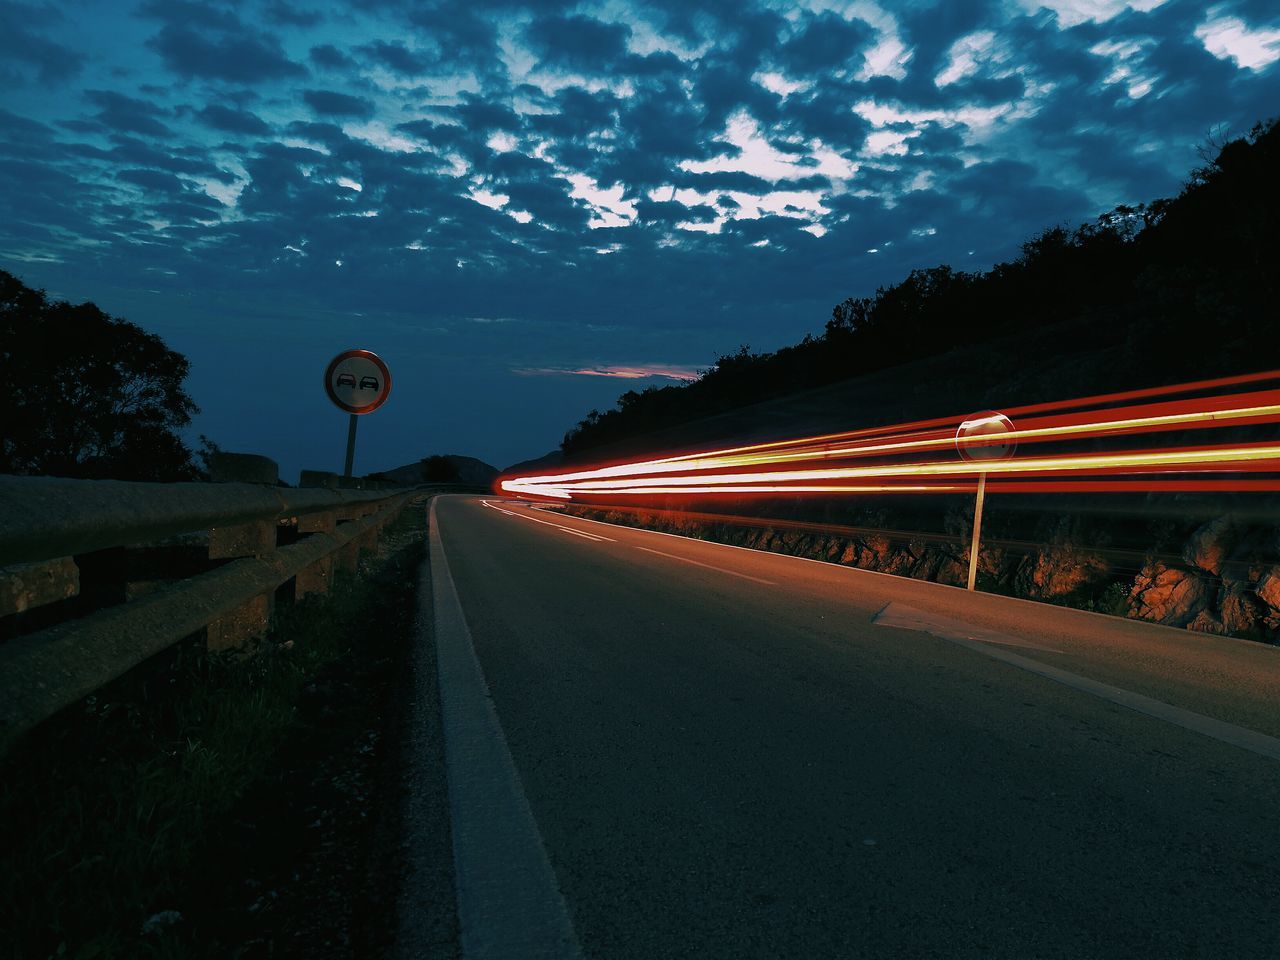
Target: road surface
730 753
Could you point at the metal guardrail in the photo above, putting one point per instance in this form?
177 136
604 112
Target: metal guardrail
47 523
46 517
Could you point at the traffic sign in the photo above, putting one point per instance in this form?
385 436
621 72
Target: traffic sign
357 381
980 425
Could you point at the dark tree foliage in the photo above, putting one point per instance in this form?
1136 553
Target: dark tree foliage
439 468
88 395
1175 289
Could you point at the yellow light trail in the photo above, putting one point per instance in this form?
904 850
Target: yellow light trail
905 458
715 460
1141 461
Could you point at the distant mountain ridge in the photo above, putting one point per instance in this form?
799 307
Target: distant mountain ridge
548 461
469 471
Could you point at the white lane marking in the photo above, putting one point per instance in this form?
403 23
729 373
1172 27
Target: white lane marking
672 556
523 516
509 902
1242 737
699 563
579 533
909 618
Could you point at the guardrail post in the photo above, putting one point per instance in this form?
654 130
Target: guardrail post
247 539
317 577
242 540
27 585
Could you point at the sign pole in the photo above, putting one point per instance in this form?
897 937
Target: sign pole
977 529
351 451
358 382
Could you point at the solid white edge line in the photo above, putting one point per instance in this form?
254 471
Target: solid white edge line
509 901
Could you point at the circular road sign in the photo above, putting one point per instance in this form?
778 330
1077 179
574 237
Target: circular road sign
980 425
357 381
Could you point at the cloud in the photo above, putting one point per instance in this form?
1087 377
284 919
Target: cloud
1231 38
23 45
288 14
1071 13
578 41
127 114
636 372
824 44
230 120
328 103
328 56
222 49
395 56
631 180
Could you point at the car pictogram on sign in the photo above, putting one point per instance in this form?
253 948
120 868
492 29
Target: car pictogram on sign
357 381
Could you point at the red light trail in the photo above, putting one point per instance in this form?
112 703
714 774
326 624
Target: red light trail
930 457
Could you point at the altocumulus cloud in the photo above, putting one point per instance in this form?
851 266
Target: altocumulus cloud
637 187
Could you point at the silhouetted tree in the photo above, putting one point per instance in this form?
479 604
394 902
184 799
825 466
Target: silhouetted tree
439 468
88 395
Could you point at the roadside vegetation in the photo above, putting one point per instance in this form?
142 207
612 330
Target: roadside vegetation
218 805
111 399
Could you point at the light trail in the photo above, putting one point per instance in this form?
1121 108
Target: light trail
894 452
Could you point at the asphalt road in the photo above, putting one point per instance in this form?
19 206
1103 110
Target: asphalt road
727 756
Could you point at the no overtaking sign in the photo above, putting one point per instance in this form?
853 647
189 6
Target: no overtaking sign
357 381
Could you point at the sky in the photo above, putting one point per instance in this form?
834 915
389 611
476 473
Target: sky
527 208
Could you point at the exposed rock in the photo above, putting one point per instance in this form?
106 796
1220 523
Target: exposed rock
991 561
1206 622
1238 571
1169 595
1210 546
1058 570
899 563
953 571
1268 589
1242 612
926 568
882 548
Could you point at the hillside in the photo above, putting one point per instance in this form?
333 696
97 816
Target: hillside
447 468
1171 290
